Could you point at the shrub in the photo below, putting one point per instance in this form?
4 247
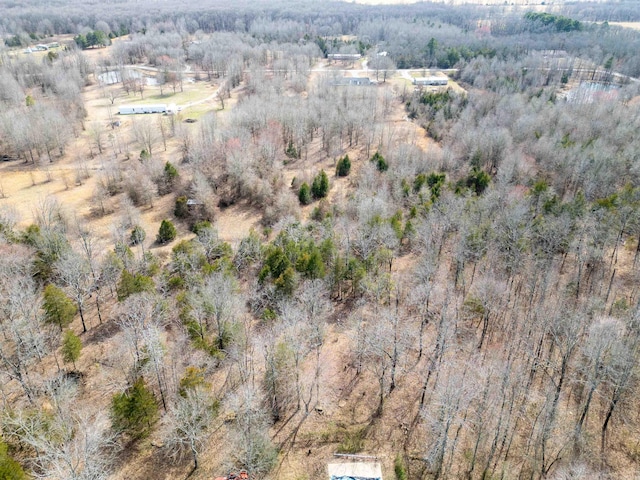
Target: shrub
353 442
201 227
344 166
399 468
167 232
320 185
304 194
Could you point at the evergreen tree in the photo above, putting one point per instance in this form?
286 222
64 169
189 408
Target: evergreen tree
181 210
137 235
320 186
134 411
170 172
304 194
291 150
167 232
71 348
130 284
380 162
192 380
314 267
169 177
58 308
344 166
9 468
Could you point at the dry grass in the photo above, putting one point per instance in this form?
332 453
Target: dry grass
632 25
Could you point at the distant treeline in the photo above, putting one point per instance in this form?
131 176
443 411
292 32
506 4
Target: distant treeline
560 23
415 36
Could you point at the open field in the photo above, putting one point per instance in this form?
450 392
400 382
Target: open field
632 25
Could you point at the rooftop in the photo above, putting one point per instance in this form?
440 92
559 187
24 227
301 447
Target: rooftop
355 471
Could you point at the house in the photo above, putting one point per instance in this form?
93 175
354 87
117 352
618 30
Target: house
134 109
347 57
353 81
434 80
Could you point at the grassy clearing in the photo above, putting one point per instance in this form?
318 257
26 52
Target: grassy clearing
193 92
350 439
632 25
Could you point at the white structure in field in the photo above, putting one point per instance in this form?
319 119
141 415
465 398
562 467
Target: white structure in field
345 57
159 108
435 80
355 471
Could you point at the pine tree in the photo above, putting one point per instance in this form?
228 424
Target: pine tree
130 284
320 186
344 166
71 347
135 410
170 173
380 162
137 235
304 194
9 468
315 266
167 232
58 308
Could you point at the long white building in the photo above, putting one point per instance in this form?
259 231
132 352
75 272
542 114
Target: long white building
158 108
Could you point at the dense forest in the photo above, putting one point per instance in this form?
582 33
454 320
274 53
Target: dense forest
442 277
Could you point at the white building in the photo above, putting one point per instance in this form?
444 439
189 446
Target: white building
134 109
348 57
435 80
358 81
355 471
